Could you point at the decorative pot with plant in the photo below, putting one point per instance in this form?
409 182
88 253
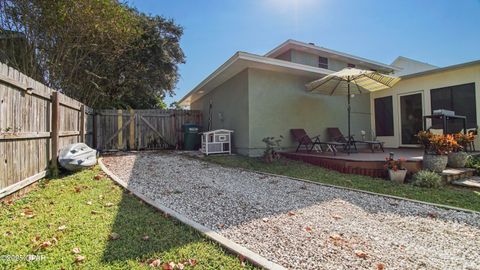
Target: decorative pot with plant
437 147
396 168
270 143
458 157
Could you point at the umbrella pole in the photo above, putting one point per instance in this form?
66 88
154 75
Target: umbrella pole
349 136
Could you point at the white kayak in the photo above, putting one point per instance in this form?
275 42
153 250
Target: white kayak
77 156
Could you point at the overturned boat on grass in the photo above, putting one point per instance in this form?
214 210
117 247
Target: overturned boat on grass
77 156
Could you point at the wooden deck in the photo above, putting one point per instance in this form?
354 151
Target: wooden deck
363 162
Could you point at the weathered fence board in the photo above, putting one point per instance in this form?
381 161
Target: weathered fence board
142 129
26 128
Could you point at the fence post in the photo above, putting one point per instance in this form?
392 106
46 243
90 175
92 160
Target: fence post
55 133
132 130
120 125
95 129
82 123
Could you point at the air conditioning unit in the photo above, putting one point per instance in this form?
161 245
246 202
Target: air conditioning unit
444 112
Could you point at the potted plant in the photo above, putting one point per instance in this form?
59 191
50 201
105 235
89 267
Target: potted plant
270 154
396 169
458 157
437 147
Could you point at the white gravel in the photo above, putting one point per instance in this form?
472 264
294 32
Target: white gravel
305 226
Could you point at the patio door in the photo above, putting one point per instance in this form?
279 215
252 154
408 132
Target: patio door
411 114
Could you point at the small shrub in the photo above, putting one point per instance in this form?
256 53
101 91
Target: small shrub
270 144
473 162
428 179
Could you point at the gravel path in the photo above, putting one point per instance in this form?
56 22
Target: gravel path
305 226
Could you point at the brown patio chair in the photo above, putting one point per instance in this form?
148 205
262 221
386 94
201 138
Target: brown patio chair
301 136
336 135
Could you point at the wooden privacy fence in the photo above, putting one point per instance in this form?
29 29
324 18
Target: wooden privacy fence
141 129
35 122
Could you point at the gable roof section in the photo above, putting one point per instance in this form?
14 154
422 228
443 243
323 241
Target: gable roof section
410 66
242 60
306 47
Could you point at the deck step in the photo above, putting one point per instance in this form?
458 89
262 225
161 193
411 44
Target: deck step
472 182
452 174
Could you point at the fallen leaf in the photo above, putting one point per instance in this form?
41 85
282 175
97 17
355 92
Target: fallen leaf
8 233
54 240
380 266
76 250
308 229
36 238
45 244
432 215
78 189
79 258
93 212
265 219
62 228
97 177
336 217
113 236
168 266
336 237
242 260
180 266
155 263
145 238
290 213
192 262
109 204
89 203
361 254
220 226
28 213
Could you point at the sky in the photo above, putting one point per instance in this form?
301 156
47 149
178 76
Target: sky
439 32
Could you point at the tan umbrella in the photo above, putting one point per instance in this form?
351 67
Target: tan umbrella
350 81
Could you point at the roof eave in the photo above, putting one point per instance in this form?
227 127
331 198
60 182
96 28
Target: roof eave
254 59
432 71
314 47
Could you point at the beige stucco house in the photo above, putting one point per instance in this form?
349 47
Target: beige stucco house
259 96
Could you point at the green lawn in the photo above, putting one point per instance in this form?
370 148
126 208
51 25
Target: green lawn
77 211
448 195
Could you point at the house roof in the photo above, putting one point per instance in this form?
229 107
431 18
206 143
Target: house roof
242 60
311 48
437 70
410 66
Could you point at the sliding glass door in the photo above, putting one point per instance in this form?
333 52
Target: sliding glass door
411 114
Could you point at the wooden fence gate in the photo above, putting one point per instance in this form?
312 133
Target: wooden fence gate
141 129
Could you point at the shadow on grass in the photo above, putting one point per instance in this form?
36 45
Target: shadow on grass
134 223
146 233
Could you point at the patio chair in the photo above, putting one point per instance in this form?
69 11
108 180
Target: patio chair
337 135
471 145
301 136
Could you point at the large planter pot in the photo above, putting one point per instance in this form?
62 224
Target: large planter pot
457 159
435 163
397 176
